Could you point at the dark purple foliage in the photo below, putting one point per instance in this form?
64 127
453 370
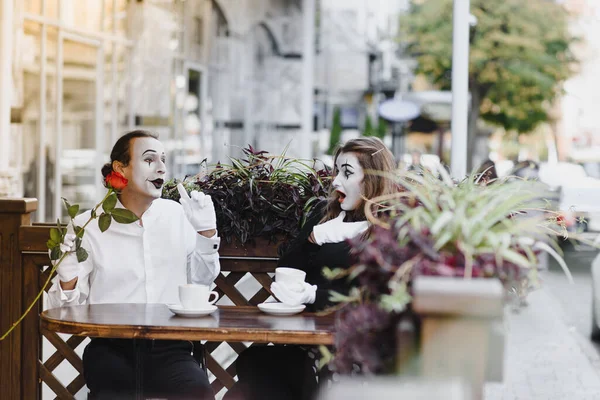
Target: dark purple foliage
364 339
253 199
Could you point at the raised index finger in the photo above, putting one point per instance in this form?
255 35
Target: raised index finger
183 192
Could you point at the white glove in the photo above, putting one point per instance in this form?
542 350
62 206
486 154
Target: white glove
68 269
336 230
305 294
199 209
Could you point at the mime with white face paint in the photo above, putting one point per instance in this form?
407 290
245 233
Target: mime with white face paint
287 372
142 262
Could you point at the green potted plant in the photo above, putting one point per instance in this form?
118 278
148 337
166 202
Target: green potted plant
368 131
261 198
336 131
381 128
435 227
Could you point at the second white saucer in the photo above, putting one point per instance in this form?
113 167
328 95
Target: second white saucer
280 308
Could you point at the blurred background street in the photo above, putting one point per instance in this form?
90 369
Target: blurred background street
214 76
549 354
575 299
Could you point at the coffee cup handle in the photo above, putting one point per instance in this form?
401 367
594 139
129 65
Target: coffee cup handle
213 300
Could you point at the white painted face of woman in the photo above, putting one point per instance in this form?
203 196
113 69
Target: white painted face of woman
348 182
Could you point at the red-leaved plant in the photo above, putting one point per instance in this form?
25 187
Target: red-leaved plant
260 196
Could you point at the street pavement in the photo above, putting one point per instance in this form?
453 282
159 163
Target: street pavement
549 354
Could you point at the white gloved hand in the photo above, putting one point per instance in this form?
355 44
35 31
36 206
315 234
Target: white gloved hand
69 268
336 230
199 209
304 294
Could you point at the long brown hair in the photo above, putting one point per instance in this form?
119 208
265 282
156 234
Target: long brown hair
373 155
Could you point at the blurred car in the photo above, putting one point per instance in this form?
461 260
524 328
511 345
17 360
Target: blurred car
429 161
579 193
592 169
529 174
595 334
559 174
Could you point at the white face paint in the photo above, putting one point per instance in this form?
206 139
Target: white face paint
348 181
146 170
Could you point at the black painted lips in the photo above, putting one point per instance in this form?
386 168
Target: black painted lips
157 183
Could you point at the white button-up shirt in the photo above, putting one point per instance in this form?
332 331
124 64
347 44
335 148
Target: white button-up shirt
135 263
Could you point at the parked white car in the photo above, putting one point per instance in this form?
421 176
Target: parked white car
559 174
579 193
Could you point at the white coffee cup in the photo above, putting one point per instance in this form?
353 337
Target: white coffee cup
291 277
195 297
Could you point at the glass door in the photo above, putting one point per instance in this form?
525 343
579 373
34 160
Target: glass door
195 128
80 148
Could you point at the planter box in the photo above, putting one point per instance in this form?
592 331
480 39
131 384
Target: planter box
459 334
259 247
392 388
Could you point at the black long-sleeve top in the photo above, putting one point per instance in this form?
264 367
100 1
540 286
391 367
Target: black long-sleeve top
311 258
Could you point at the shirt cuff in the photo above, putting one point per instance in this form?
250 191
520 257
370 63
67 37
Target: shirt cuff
206 245
67 295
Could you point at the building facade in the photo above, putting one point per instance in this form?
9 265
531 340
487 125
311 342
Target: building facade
209 76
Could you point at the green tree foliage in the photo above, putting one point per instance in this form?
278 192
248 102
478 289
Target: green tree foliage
381 128
368 131
336 131
519 56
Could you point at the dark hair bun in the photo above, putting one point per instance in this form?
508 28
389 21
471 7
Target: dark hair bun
106 169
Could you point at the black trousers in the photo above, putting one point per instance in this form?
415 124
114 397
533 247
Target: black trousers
274 372
133 368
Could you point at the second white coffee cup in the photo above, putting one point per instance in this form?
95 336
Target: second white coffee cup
195 297
291 277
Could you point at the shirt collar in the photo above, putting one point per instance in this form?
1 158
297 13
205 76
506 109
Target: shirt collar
148 214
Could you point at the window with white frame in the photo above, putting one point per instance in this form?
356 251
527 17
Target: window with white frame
70 72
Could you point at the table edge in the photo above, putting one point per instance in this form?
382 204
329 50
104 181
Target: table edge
185 333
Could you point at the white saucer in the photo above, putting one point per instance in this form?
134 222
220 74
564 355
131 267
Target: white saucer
186 312
280 308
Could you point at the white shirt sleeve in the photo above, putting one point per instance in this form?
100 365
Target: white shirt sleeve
203 261
57 297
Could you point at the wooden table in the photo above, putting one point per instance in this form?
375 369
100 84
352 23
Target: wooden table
155 321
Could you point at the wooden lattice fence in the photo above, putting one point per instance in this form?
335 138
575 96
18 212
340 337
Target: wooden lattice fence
24 249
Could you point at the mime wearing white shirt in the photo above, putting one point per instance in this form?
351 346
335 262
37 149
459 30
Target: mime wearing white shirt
142 262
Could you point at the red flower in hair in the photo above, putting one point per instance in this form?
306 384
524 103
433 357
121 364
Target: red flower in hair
116 181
